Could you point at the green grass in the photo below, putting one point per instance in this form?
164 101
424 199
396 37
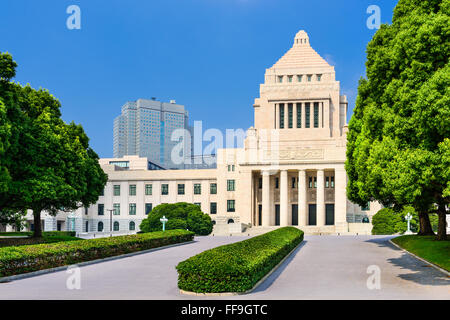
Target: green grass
426 247
15 234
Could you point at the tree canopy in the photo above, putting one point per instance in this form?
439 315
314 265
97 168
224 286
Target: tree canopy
46 164
398 149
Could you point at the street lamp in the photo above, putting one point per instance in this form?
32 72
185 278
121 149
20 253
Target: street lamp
164 220
110 221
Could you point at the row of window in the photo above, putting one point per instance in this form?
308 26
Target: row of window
312 183
181 188
116 226
290 112
132 224
290 78
149 208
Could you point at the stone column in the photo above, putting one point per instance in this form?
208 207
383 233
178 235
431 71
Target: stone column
302 211
286 116
320 198
277 116
266 199
304 115
340 196
284 217
326 116
319 105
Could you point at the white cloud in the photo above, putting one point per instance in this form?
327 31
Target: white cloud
329 58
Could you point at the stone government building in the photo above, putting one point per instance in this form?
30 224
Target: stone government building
289 172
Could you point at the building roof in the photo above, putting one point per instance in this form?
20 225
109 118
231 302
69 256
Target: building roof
301 55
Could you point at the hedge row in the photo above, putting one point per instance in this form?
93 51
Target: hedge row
11 241
239 266
45 233
17 260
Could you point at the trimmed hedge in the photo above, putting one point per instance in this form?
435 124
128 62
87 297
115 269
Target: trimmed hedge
11 241
239 266
45 233
17 260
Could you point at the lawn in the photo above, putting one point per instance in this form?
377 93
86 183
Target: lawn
47 237
426 247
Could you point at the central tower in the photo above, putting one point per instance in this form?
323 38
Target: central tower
300 96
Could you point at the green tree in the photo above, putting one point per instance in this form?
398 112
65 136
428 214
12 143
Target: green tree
13 218
398 149
7 71
50 164
180 216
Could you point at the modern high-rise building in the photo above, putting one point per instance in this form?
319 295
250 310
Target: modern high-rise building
146 127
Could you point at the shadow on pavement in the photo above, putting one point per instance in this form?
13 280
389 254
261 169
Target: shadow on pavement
274 276
419 272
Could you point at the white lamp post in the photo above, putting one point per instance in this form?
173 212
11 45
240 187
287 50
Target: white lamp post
408 218
110 220
164 220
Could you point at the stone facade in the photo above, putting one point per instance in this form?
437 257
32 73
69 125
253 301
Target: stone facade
289 172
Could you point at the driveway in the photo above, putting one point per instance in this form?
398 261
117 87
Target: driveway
323 267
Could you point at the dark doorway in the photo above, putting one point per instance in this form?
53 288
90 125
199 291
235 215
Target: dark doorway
329 209
87 226
260 215
312 215
277 214
295 215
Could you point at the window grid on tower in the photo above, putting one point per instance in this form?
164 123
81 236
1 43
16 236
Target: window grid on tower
290 115
307 115
316 114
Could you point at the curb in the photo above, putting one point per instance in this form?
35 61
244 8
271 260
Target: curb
422 259
87 263
230 294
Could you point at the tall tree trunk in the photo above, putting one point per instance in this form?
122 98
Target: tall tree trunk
442 226
37 223
425 224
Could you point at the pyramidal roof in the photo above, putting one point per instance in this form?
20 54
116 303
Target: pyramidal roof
301 55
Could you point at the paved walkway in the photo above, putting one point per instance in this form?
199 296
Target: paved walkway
325 267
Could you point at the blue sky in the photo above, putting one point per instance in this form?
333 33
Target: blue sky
209 55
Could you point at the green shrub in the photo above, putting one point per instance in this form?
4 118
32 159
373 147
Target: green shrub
386 221
389 221
45 233
239 266
7 242
17 260
176 223
58 233
194 219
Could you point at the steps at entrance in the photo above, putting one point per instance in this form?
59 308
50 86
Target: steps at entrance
309 230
